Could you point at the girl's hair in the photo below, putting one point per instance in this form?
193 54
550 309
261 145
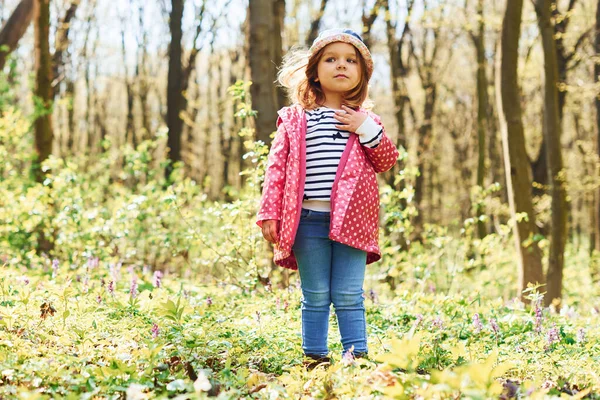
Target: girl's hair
299 71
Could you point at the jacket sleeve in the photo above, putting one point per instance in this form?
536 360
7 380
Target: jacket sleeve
272 190
383 156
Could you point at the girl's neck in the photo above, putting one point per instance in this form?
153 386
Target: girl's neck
333 102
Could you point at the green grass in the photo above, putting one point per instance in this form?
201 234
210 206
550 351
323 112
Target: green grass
247 343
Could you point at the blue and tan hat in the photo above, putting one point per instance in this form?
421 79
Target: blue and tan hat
347 36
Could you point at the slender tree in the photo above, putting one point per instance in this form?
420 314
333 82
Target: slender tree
15 28
175 99
596 228
261 55
278 17
316 24
43 86
566 60
428 66
129 90
552 131
482 107
516 163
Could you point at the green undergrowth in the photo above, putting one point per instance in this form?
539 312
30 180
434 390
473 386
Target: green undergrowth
90 328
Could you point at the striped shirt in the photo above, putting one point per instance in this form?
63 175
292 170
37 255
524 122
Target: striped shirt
324 147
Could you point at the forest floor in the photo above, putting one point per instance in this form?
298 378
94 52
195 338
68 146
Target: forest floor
102 331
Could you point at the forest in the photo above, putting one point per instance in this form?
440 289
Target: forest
134 140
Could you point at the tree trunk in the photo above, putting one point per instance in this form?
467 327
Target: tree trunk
552 122
15 28
482 107
70 95
61 43
425 140
43 86
559 28
143 86
129 125
515 156
175 100
315 24
596 238
398 70
278 17
262 40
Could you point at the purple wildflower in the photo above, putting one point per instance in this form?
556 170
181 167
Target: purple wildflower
133 288
438 323
111 287
538 317
494 326
373 295
277 302
92 262
348 357
99 299
115 271
209 301
477 325
55 265
581 335
86 281
418 321
156 279
154 330
552 335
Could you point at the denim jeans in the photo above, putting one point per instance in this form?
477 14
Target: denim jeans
330 272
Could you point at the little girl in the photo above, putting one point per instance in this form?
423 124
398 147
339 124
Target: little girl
320 200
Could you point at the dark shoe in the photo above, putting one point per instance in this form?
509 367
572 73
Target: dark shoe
312 361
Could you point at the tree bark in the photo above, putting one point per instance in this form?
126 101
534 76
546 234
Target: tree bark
261 56
553 132
596 238
315 24
540 164
142 75
61 43
15 28
175 99
278 16
482 108
513 140
43 87
130 94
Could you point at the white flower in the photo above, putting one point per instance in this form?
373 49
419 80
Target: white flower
136 392
202 384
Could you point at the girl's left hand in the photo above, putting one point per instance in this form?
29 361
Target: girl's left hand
350 119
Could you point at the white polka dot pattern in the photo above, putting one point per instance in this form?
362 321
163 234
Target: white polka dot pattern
354 196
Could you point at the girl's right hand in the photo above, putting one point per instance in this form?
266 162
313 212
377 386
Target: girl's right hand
270 230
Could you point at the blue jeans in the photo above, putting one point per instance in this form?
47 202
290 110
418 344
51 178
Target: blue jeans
330 272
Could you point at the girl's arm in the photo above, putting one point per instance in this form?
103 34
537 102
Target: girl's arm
272 192
385 154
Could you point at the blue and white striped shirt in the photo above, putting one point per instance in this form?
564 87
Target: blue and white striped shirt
324 147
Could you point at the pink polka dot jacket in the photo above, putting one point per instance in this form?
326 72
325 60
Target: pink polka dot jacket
354 195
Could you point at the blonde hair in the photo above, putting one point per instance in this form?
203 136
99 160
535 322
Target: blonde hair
299 71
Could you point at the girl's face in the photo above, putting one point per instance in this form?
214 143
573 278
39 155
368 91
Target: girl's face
339 69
